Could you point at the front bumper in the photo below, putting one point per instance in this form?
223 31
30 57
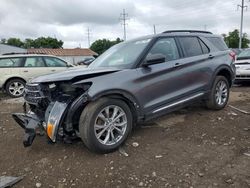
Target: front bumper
30 122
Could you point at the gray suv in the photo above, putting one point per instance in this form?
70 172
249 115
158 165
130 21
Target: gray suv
130 83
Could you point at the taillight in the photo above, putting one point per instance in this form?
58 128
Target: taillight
232 55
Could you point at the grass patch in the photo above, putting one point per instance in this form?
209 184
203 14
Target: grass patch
2 95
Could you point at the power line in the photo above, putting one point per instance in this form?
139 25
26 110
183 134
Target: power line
242 6
124 18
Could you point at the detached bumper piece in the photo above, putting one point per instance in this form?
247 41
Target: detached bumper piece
30 123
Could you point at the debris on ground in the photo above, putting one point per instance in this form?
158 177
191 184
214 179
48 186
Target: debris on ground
158 156
38 185
242 111
247 154
123 152
135 144
7 181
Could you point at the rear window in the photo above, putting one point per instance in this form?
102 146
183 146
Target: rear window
218 42
11 62
191 46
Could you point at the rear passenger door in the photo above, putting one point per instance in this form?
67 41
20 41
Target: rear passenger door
196 64
55 65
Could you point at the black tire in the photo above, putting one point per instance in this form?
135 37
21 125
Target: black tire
10 83
212 103
88 119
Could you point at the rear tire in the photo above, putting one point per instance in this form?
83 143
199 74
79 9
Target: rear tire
15 87
219 94
105 124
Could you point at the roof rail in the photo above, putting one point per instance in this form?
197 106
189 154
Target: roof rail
187 31
22 53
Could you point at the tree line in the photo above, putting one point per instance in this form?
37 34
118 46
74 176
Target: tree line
41 42
101 45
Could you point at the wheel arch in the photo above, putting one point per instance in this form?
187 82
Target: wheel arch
128 98
226 72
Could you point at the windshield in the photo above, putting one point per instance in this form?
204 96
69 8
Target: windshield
244 54
122 56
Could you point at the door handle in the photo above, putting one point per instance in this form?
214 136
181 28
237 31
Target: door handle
53 70
210 56
177 64
25 71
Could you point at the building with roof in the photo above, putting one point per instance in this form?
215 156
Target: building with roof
73 56
4 49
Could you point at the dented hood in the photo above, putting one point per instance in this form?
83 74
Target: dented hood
73 74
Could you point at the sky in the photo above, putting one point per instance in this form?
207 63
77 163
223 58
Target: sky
68 20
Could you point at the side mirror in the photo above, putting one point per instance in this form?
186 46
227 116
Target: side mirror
154 59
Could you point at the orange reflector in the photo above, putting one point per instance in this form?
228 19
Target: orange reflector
49 130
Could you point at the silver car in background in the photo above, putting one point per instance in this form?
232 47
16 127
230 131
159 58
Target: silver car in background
242 64
16 70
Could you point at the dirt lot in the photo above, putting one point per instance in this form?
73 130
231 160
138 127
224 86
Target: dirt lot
193 147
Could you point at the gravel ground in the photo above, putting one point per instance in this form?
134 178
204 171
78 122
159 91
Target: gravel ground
193 147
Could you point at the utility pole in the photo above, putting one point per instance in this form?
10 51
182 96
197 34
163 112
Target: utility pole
154 30
88 34
242 6
123 19
205 27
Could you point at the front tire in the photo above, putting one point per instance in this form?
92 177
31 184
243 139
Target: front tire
105 124
219 94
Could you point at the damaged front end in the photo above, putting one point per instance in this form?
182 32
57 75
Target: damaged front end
52 108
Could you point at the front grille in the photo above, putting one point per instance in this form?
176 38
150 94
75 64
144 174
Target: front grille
243 76
32 93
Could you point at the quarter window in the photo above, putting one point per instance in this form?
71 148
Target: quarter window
34 62
191 46
166 47
54 62
218 42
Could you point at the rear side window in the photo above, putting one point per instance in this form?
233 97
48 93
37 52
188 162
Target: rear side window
166 47
191 46
34 62
54 62
11 62
218 42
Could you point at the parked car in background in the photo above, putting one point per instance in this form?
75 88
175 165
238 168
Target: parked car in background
16 70
242 64
86 61
132 82
237 51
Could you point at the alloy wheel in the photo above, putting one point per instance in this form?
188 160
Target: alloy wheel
221 93
16 88
110 125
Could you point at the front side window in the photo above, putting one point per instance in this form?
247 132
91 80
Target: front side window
34 62
54 62
11 62
191 46
166 47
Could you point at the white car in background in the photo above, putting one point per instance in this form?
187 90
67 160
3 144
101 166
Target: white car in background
16 70
242 65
